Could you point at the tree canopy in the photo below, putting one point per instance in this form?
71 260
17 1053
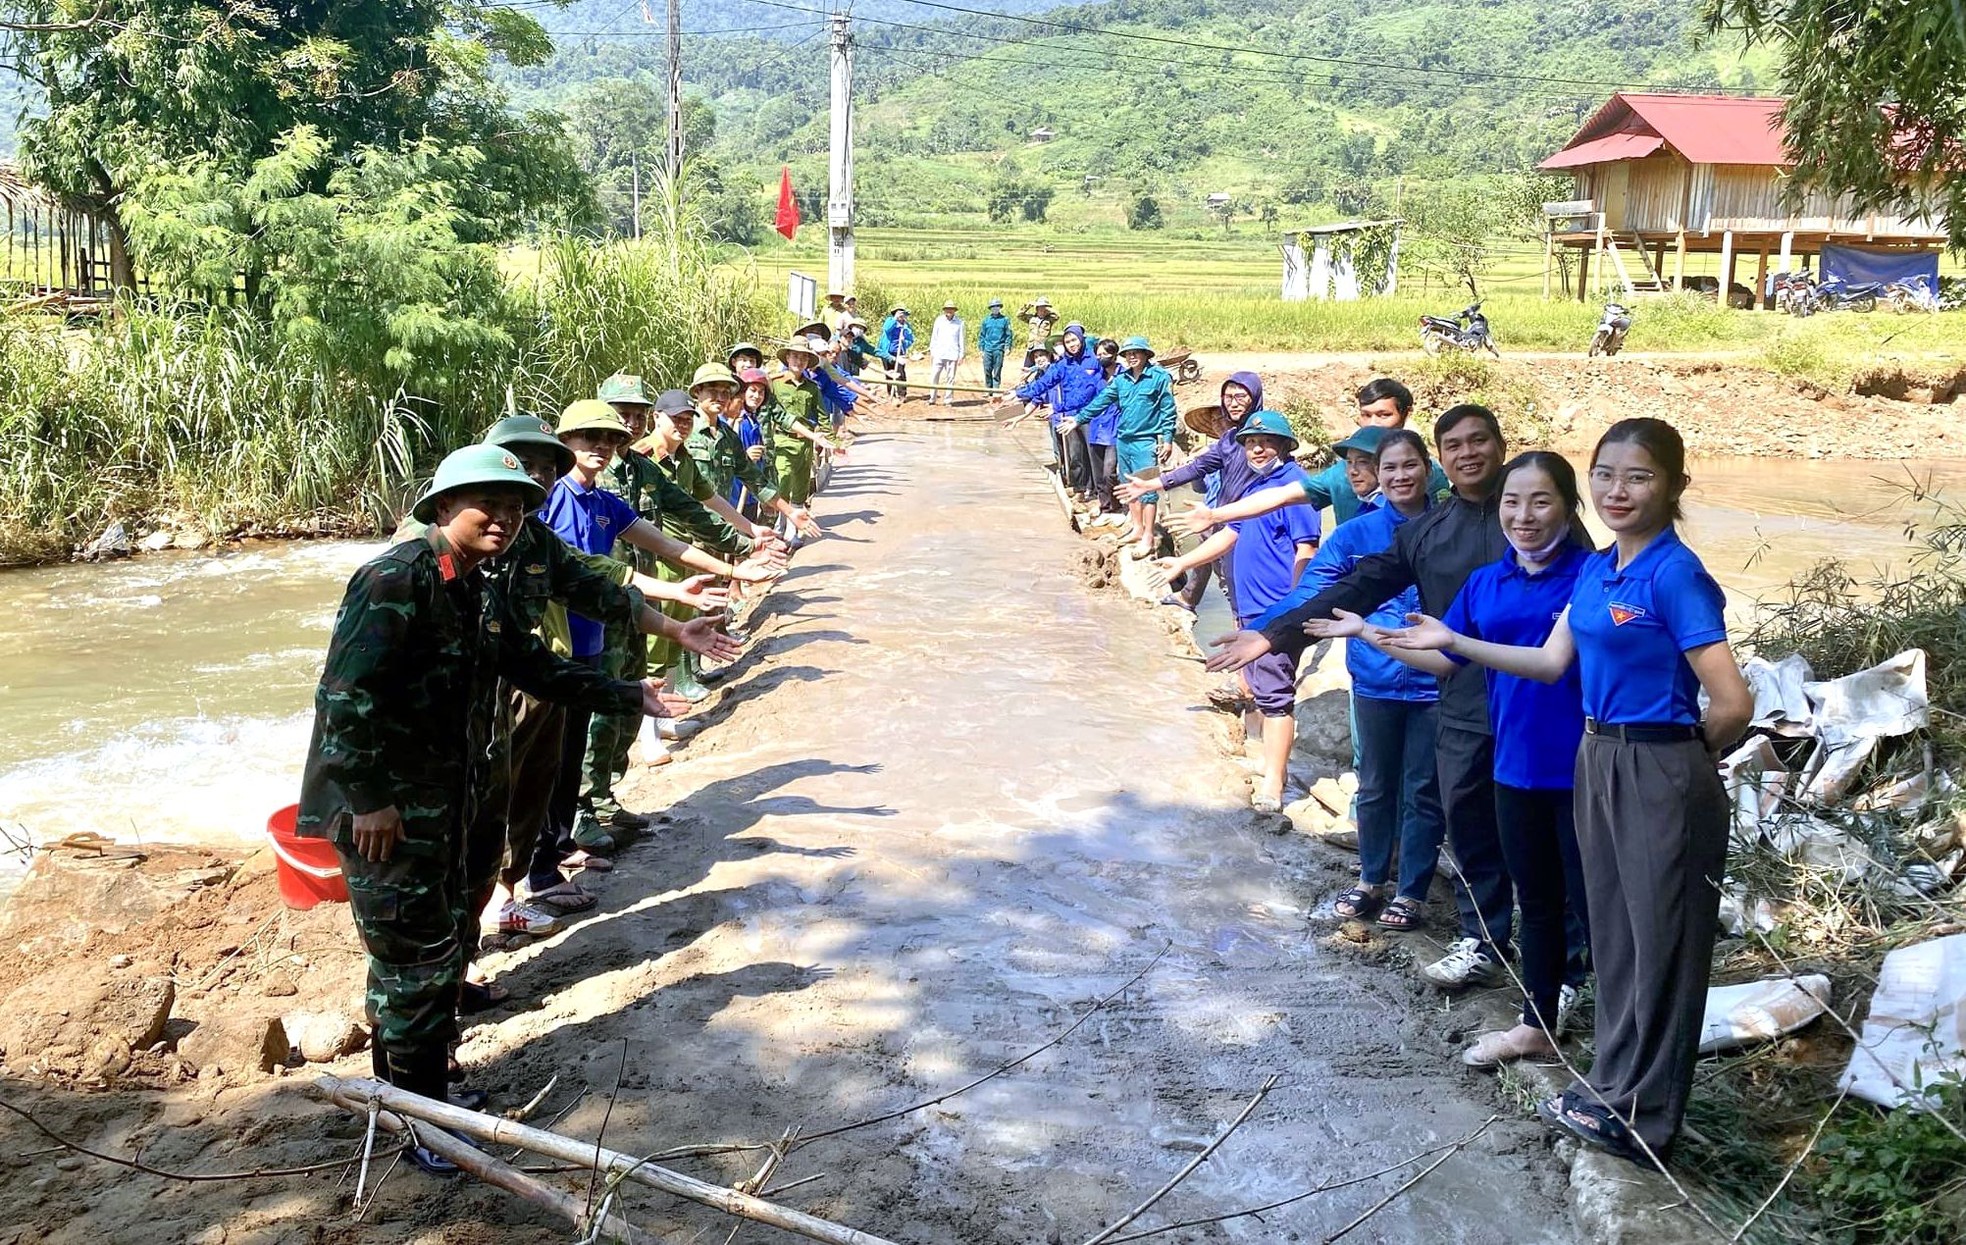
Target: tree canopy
134 85
1876 98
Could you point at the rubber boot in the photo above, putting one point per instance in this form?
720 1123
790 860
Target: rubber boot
424 1072
685 683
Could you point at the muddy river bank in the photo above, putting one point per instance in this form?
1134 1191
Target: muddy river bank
949 800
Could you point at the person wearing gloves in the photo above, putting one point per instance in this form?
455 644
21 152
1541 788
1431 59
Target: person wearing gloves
1142 395
946 346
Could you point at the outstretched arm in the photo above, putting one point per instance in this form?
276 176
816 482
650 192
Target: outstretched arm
1545 663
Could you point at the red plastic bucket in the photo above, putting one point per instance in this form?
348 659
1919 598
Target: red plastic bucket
309 869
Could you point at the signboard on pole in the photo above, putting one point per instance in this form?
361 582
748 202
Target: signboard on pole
802 295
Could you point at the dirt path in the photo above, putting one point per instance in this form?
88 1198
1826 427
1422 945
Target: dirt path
960 798
953 797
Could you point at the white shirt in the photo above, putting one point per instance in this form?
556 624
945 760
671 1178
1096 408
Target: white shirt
945 341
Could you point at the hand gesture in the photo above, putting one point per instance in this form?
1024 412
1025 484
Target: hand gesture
1194 522
757 570
804 523
1422 632
378 833
659 702
1066 426
756 453
1133 488
1163 452
702 592
1343 624
705 637
1238 650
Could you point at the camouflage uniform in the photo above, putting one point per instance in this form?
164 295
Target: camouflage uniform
407 714
793 404
720 456
625 653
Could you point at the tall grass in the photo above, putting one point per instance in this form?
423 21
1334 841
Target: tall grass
210 414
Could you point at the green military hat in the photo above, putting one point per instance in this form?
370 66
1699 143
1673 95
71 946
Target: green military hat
815 328
530 430
621 387
744 348
590 415
711 374
476 464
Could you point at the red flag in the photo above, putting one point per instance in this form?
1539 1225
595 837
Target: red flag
787 220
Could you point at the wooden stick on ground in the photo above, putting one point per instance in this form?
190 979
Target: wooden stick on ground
1193 1163
496 1131
502 1175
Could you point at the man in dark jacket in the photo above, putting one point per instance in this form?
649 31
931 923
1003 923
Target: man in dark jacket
994 338
1436 553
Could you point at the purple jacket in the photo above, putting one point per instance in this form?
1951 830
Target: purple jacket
1225 458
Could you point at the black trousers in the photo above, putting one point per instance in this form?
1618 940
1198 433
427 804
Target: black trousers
1105 475
1466 764
1652 833
556 837
1539 843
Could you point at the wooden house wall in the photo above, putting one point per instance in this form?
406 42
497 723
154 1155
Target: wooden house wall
1662 193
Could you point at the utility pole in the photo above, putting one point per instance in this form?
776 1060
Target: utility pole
635 194
675 95
839 190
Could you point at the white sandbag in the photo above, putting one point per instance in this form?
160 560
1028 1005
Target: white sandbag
1916 1031
1755 780
1810 841
1781 703
1757 1011
1854 712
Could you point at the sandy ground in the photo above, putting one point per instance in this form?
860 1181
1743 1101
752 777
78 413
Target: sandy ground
949 799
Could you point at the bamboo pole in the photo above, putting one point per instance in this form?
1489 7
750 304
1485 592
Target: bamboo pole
504 1176
503 1132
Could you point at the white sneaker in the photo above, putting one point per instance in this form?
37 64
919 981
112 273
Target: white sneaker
1465 964
522 918
1566 1006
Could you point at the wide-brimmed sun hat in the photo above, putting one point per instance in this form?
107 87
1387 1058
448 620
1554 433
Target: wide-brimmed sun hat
476 465
1201 419
1267 424
517 430
590 415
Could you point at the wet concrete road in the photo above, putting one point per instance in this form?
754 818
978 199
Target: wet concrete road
957 797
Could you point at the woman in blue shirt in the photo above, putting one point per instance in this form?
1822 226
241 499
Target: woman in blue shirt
1537 727
1392 704
1645 630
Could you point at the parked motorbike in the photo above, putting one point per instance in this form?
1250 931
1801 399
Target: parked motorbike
1791 288
1611 330
1834 294
1904 297
1467 330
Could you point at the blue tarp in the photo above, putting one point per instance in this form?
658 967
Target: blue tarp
1854 265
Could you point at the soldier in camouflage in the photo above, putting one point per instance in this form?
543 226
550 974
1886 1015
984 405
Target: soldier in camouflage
404 722
720 454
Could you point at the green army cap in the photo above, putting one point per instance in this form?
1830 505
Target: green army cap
744 348
622 387
530 430
591 415
474 465
711 374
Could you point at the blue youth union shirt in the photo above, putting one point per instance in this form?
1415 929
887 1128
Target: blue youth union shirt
1633 628
1537 725
1266 546
589 519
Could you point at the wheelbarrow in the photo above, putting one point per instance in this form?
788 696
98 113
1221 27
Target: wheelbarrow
1182 364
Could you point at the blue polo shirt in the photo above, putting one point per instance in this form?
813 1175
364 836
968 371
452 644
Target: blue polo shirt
589 519
1536 725
1633 628
1266 546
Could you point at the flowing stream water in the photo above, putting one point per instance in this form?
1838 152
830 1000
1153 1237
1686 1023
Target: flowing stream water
168 696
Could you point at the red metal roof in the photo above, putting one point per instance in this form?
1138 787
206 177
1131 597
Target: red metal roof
1605 150
1706 129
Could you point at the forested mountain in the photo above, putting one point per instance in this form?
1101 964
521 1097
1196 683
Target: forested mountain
1334 106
